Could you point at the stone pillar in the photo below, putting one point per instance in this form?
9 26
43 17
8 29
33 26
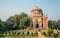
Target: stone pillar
34 25
40 25
45 22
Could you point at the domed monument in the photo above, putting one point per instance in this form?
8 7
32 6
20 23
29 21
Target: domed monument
38 21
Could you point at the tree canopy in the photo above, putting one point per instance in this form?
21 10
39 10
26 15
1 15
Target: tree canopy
54 24
19 20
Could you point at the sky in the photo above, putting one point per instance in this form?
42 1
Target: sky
9 8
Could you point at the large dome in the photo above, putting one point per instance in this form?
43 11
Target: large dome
36 8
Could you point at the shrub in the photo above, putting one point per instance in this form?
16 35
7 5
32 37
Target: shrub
44 33
32 34
14 33
55 34
1 35
18 33
49 33
28 33
36 34
22 32
10 33
5 33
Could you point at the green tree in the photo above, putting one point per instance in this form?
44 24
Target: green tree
0 20
24 21
58 24
52 24
18 21
0 25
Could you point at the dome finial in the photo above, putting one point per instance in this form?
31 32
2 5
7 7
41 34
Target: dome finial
36 6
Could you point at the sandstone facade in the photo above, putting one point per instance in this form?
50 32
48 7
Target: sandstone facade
37 19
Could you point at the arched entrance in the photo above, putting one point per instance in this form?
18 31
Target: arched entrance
37 25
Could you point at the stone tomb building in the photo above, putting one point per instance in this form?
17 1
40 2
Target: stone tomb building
38 21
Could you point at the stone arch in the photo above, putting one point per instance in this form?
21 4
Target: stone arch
37 24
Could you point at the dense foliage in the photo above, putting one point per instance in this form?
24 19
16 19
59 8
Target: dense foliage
19 21
54 24
51 33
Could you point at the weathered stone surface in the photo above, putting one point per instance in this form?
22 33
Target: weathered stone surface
38 21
